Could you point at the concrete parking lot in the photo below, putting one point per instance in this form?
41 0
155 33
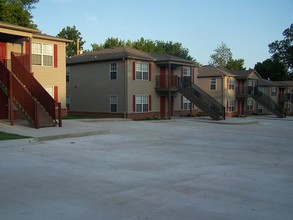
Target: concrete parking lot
183 168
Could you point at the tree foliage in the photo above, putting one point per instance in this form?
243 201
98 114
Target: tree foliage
158 46
283 49
71 33
235 64
221 56
18 12
272 69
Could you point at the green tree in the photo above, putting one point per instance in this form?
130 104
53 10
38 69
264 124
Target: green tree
158 47
283 49
71 33
235 64
272 69
18 12
221 56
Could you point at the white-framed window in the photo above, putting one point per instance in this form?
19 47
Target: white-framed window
249 104
68 102
186 71
231 84
274 91
213 83
42 54
141 71
68 74
114 103
231 105
113 71
186 103
142 103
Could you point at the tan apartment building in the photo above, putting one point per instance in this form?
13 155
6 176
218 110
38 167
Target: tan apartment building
33 75
243 92
125 82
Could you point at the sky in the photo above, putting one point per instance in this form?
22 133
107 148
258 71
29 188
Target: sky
247 27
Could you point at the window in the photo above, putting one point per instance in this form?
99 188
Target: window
231 84
113 103
186 71
249 104
274 91
141 71
231 106
213 84
186 103
67 74
142 103
68 102
113 71
42 54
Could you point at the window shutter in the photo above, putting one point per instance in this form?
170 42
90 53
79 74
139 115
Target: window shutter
227 107
27 47
55 55
227 83
181 71
193 76
133 70
150 103
181 102
133 101
150 72
56 93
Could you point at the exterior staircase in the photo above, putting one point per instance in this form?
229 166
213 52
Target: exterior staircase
28 95
270 104
201 99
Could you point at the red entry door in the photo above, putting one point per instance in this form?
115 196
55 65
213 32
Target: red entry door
162 106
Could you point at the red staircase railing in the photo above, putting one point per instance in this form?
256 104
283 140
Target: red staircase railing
35 88
22 96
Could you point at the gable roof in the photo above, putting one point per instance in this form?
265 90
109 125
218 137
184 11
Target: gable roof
243 74
211 71
120 53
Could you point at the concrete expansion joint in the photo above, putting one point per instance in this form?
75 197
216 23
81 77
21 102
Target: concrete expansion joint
75 135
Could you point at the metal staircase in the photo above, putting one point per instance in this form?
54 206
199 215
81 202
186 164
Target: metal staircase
201 99
24 97
270 104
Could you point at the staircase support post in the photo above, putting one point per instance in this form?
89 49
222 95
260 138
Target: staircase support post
59 114
169 92
11 112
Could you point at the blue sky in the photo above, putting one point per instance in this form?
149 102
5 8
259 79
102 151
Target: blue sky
246 26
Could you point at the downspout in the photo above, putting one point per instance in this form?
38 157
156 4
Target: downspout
125 89
224 113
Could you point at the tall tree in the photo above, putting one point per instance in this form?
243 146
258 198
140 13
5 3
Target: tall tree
272 69
283 49
71 33
18 12
221 56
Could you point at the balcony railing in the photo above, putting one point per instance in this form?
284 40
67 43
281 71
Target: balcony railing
165 82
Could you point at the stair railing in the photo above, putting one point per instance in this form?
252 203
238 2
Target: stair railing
214 105
23 97
35 88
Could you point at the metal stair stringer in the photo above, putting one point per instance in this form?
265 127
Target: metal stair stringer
201 99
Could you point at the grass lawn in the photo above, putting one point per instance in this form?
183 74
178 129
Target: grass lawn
8 136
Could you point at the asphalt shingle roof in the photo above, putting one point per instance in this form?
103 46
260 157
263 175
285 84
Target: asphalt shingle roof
123 53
